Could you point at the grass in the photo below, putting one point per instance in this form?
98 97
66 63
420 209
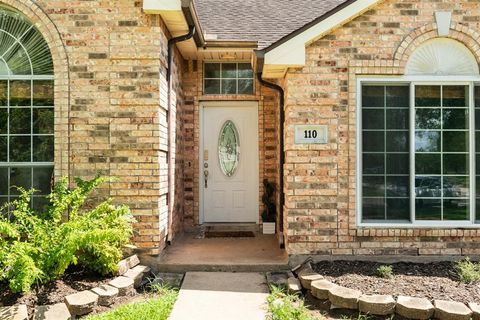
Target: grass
158 307
283 306
385 271
468 271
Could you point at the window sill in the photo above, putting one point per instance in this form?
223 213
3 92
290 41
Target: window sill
229 97
420 225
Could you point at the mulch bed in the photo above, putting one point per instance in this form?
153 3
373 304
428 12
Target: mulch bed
73 281
436 280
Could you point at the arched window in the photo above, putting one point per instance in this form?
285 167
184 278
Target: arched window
26 109
419 150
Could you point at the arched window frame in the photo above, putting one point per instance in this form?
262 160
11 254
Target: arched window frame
36 105
413 81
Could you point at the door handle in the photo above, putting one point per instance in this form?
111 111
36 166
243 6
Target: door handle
205 175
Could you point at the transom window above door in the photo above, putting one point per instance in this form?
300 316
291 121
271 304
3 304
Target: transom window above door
418 143
228 78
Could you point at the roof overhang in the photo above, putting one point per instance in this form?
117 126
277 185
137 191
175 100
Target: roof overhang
177 16
225 50
290 51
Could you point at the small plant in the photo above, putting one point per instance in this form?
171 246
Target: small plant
283 306
270 212
468 271
385 271
37 247
158 308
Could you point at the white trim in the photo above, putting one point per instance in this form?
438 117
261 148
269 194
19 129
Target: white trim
291 53
413 81
250 104
157 6
442 56
444 21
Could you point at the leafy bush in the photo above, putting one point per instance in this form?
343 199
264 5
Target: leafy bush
38 247
282 306
468 271
385 272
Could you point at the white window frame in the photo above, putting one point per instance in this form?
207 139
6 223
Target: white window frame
412 81
221 63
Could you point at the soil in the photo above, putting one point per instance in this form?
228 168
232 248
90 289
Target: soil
436 280
73 281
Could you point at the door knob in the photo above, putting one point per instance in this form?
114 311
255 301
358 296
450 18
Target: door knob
205 174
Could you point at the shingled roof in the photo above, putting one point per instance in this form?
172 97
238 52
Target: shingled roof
264 21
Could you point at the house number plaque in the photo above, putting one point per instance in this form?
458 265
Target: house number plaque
311 134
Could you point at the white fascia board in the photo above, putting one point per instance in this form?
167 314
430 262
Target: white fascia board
157 6
292 52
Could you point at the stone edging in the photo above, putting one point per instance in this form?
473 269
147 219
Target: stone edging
380 305
130 276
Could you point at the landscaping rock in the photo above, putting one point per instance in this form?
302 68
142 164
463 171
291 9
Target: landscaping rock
57 311
129 250
81 303
451 310
414 308
137 274
172 280
345 298
379 305
123 284
293 285
306 277
106 295
475 307
122 267
17 312
278 279
133 261
320 289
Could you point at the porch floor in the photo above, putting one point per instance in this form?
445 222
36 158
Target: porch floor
258 254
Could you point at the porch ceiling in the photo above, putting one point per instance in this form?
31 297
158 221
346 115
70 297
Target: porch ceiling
172 14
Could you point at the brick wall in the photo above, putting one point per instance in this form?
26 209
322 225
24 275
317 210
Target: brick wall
320 180
110 102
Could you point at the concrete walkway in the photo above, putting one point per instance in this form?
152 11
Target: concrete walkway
221 296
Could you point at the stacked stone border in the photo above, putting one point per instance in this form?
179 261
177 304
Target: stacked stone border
130 276
379 305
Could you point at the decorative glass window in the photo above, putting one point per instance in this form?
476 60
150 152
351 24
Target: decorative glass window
26 109
417 159
228 78
228 148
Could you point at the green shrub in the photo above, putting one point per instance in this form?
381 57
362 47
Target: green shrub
385 272
468 271
37 247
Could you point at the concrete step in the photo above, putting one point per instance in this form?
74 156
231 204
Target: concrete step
231 227
183 268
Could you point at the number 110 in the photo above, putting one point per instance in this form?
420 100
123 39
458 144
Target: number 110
309 134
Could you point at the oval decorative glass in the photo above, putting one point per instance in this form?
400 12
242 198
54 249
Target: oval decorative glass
228 148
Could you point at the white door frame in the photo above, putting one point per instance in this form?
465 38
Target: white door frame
208 104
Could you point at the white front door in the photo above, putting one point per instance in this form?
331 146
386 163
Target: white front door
229 163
